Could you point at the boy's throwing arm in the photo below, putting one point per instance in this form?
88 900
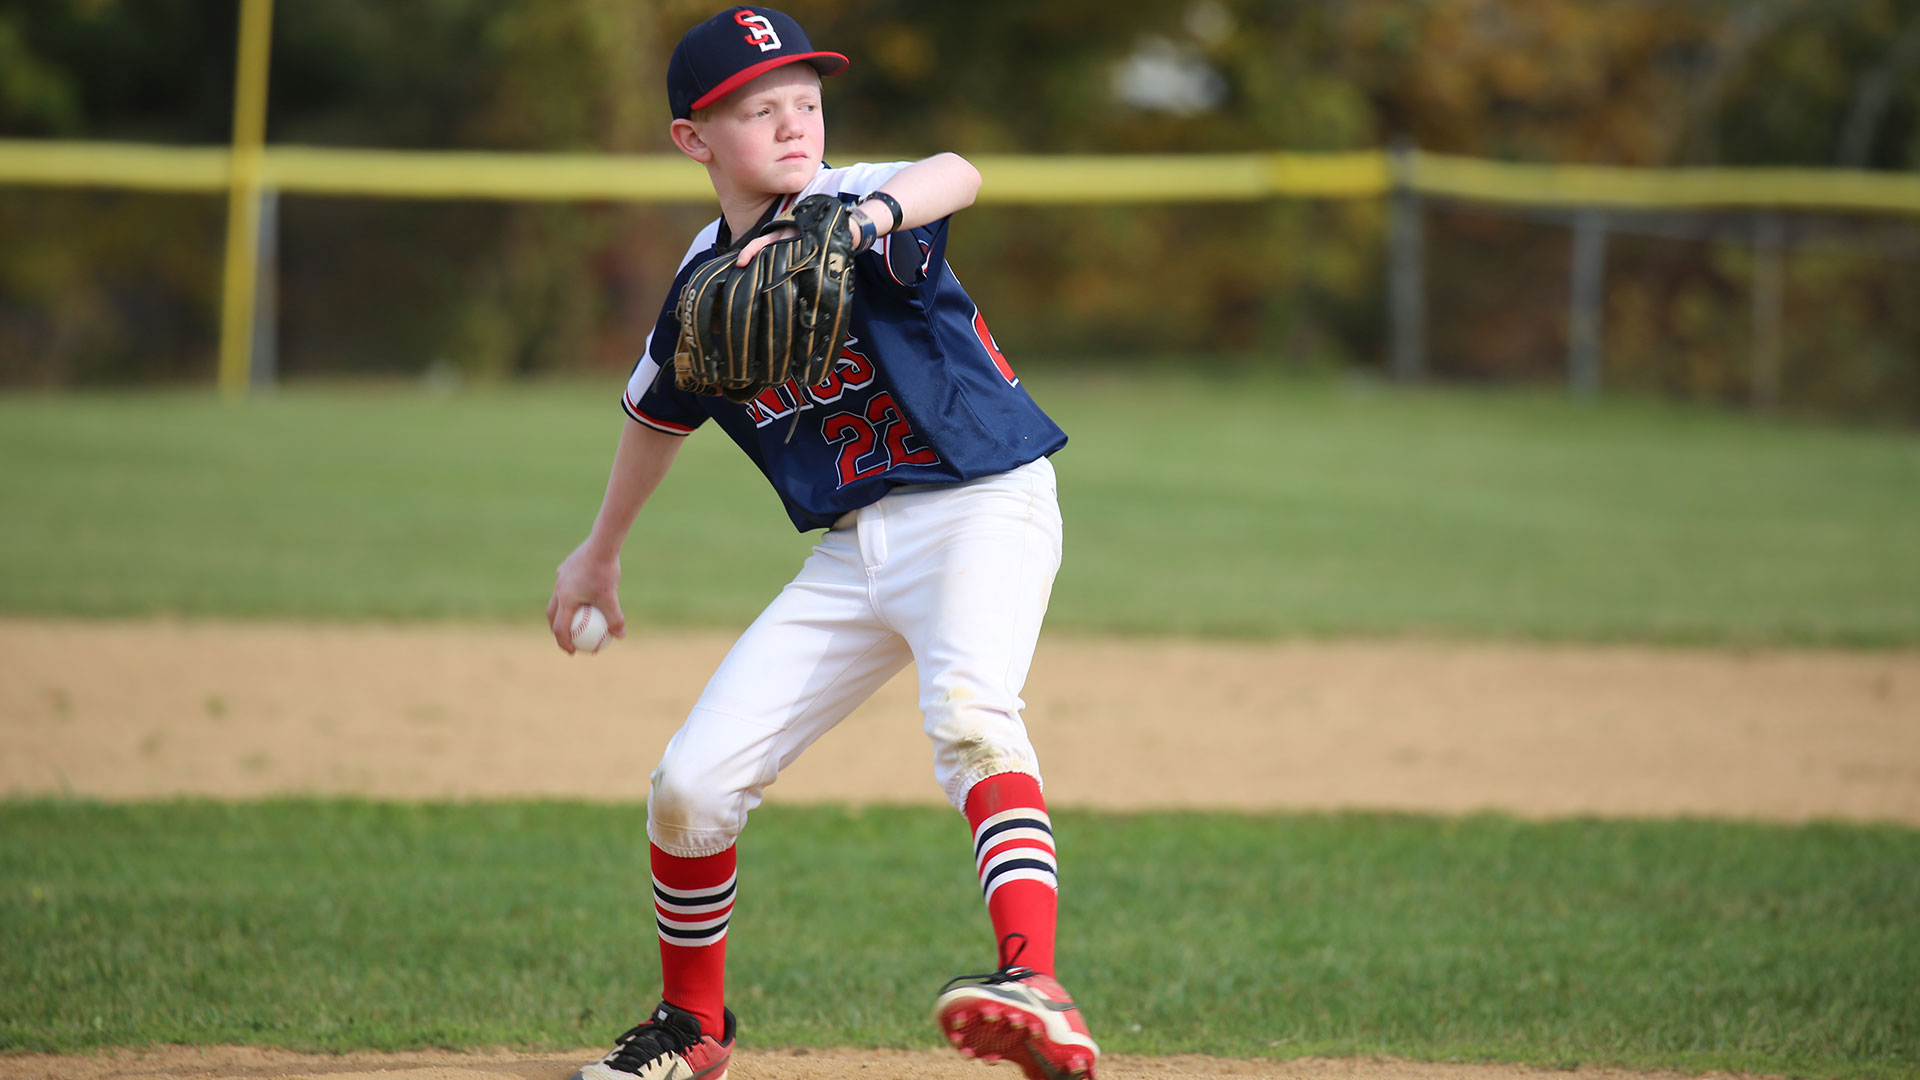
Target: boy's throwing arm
591 574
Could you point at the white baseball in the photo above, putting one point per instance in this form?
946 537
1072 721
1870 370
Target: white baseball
589 629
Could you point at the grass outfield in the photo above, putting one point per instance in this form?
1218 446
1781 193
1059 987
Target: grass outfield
1248 506
346 925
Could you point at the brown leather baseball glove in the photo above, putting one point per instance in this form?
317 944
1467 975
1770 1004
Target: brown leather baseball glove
783 315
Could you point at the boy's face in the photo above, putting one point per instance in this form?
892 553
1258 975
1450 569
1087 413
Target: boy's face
768 136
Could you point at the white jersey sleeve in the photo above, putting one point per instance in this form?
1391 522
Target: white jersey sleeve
863 178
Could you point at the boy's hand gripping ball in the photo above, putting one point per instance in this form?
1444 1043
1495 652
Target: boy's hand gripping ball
589 629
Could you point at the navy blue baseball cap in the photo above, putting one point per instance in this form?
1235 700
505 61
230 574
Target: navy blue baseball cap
732 49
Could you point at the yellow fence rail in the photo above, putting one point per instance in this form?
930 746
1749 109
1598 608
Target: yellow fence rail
248 172
129 166
1010 179
1442 176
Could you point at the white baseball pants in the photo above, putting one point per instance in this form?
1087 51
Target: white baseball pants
955 578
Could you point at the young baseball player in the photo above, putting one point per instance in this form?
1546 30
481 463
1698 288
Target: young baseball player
925 463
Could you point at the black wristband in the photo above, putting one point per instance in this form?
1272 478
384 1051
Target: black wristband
868 232
892 204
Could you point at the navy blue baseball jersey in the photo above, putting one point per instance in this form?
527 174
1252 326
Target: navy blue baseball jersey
920 393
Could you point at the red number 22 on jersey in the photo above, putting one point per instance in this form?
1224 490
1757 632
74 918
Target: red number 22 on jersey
873 443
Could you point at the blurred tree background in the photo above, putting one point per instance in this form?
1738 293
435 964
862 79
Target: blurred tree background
110 288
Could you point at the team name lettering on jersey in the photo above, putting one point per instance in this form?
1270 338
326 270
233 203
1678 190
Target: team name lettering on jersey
852 371
759 30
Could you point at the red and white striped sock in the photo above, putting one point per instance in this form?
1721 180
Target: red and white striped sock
692 901
1014 855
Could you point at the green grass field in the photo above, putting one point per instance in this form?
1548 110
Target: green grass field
1252 506
1246 506
343 925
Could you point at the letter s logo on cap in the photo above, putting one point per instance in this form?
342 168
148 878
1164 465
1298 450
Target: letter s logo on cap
760 31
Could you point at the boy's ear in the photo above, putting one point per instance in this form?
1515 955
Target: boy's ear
687 137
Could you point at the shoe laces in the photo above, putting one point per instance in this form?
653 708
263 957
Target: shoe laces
1009 970
662 1033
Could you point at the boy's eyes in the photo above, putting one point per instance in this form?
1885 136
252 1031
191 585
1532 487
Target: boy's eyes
766 110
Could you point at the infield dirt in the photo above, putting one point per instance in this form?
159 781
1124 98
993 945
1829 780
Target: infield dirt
132 710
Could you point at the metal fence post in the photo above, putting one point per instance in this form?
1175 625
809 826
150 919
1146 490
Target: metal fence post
1584 323
1406 279
265 358
243 195
1767 289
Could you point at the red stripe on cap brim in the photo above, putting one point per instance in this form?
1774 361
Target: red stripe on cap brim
828 63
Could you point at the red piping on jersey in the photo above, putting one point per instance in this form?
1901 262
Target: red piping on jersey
659 425
746 75
926 257
886 257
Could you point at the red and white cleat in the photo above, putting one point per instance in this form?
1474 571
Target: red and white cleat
1017 1014
669 1045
